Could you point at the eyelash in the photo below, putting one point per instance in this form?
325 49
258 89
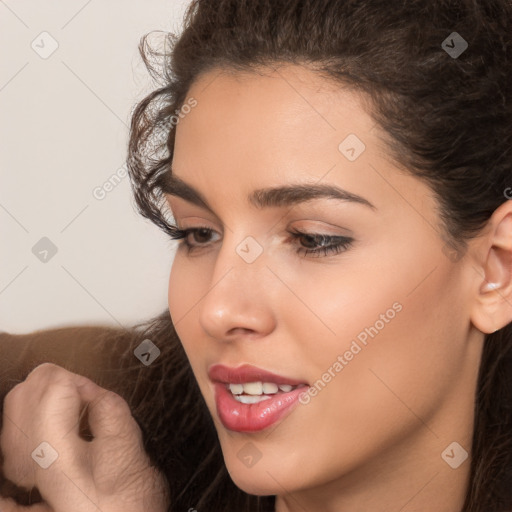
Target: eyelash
334 248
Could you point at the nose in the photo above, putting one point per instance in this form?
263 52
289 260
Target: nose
240 297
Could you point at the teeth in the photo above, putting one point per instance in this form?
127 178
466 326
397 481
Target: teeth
270 388
248 399
253 388
258 389
236 389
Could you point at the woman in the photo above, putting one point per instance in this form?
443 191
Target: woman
341 297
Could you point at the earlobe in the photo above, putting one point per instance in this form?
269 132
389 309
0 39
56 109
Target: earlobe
487 287
493 306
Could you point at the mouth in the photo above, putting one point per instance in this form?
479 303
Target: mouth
250 399
255 392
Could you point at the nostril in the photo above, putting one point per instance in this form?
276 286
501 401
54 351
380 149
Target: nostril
240 331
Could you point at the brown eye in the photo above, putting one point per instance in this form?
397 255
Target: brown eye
201 235
313 241
317 244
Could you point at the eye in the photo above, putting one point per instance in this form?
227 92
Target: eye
321 245
200 234
316 244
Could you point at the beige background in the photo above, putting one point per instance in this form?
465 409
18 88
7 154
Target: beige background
64 120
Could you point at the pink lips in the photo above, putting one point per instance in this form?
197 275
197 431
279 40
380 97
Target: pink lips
241 417
247 373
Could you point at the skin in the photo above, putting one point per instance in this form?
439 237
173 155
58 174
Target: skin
372 438
109 473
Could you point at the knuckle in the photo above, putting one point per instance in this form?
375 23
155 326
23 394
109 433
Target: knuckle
43 373
45 369
14 392
117 418
56 389
49 371
40 379
46 366
14 397
49 374
116 404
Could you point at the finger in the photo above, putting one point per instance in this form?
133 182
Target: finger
109 414
117 455
68 479
40 416
63 402
48 395
16 441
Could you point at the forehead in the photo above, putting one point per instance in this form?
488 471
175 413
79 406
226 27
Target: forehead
291 94
250 131
290 117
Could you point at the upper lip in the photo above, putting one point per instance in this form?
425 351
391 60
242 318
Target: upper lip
247 373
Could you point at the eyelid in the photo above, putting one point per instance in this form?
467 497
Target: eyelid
320 227
180 203
190 222
295 211
317 228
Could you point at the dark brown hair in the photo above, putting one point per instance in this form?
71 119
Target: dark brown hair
447 120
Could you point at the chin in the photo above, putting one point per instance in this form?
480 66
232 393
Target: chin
266 477
256 482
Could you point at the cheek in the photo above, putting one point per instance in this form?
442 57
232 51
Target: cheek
179 296
187 285
401 317
175 284
186 280
396 367
397 318
401 347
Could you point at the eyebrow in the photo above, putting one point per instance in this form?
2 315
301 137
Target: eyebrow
280 196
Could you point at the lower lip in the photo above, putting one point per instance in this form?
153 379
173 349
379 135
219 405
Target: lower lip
253 417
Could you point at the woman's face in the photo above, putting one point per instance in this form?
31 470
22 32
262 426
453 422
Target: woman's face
380 327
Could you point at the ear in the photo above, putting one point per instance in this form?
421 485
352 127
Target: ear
492 308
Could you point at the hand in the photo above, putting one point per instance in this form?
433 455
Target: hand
110 473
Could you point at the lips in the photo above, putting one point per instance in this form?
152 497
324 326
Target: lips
248 373
258 411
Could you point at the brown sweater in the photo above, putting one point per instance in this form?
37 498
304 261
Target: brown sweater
90 351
